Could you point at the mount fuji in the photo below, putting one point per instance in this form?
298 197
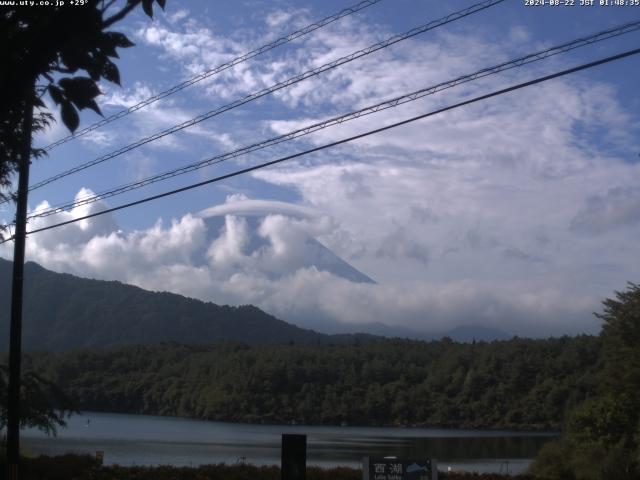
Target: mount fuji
268 238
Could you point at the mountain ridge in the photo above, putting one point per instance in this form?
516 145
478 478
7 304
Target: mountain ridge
62 312
313 254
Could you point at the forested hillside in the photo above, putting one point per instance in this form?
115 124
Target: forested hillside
62 312
520 383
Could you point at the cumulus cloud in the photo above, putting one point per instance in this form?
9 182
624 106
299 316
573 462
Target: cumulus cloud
178 15
617 208
75 233
424 306
277 18
494 213
197 49
262 253
227 251
56 129
399 245
154 118
193 43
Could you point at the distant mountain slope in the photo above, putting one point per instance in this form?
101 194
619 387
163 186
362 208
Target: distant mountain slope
62 311
309 252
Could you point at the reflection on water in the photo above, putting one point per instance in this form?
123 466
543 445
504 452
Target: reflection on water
148 440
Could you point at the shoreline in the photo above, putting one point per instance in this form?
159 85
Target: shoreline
529 430
128 440
84 466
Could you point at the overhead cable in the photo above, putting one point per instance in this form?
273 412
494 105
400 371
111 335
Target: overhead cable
344 140
220 68
518 62
278 86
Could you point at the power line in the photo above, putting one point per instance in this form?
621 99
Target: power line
345 140
278 86
220 68
518 62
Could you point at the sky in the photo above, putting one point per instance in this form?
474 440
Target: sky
521 212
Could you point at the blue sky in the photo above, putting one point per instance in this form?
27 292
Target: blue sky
521 212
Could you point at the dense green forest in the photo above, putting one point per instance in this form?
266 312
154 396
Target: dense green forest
587 386
601 436
63 312
520 383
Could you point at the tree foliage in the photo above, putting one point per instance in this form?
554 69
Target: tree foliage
52 45
43 404
602 435
61 52
524 384
621 338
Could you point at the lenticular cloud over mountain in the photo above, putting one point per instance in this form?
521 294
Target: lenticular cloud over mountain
275 255
273 239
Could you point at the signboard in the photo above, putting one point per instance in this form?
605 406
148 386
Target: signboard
399 469
294 457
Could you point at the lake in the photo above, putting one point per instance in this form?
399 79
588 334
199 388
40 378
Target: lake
151 440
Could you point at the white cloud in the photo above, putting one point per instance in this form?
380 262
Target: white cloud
511 171
198 49
226 252
617 208
100 138
277 18
242 205
56 129
519 212
226 265
178 15
520 34
125 98
194 43
155 118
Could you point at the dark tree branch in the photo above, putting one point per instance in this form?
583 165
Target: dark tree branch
44 88
62 70
120 15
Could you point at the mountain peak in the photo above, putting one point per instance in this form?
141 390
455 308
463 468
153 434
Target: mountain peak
248 238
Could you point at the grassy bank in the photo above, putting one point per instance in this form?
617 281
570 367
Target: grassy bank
79 467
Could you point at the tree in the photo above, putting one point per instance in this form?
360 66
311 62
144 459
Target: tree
45 405
602 435
621 344
49 46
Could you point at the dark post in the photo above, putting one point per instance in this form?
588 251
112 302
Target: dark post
15 333
293 457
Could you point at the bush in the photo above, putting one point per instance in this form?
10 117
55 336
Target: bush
552 462
64 467
85 467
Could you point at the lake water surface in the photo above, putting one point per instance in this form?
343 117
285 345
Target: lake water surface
150 440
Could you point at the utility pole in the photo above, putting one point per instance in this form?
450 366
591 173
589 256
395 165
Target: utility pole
15 333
